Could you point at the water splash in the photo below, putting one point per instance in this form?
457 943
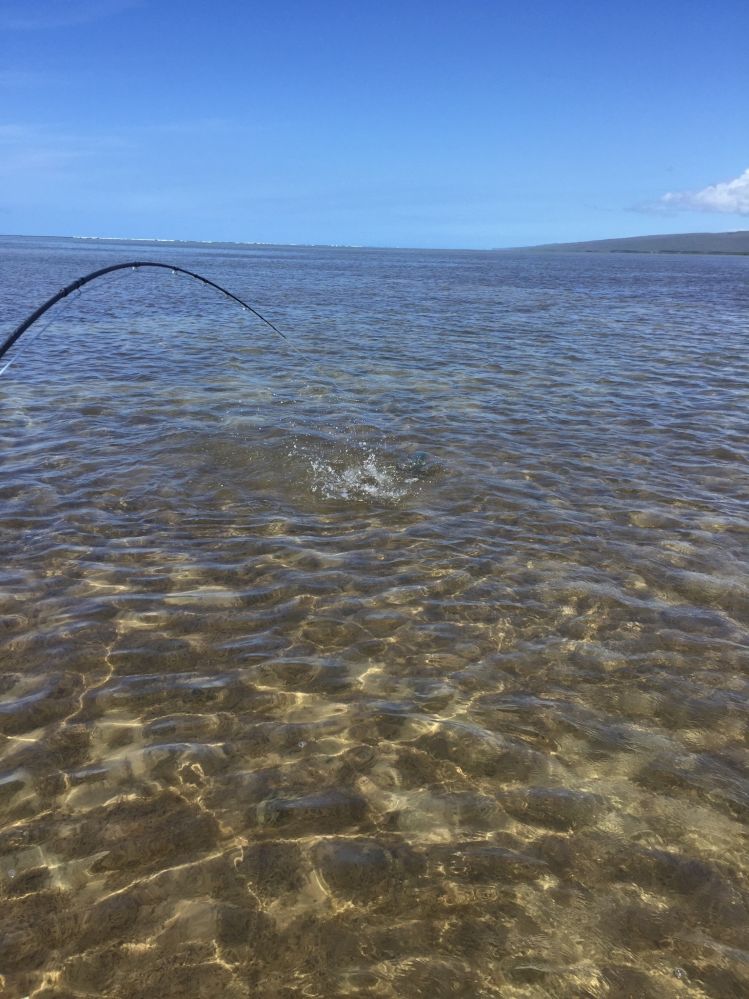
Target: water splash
364 472
362 476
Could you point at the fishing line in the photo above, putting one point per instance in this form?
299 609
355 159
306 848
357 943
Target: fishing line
41 330
132 265
34 335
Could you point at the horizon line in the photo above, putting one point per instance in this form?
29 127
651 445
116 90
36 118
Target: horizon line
359 246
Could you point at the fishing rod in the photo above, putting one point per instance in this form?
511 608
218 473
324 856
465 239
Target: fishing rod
133 265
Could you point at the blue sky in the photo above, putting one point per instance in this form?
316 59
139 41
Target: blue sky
405 123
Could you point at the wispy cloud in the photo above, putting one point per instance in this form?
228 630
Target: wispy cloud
18 79
20 15
728 196
35 153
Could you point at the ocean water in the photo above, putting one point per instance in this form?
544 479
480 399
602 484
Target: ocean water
409 660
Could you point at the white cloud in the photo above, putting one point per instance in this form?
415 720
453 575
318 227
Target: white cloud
730 196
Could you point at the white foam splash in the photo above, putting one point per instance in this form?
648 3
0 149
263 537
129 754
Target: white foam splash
367 476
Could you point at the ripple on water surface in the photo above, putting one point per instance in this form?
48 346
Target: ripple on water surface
411 664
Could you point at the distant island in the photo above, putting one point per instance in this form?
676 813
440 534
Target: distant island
682 242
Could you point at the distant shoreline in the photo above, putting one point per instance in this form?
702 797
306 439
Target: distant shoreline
734 244
642 253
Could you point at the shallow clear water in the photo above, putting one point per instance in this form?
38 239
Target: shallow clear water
412 662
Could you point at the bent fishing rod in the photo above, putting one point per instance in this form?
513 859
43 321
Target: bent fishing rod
132 265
